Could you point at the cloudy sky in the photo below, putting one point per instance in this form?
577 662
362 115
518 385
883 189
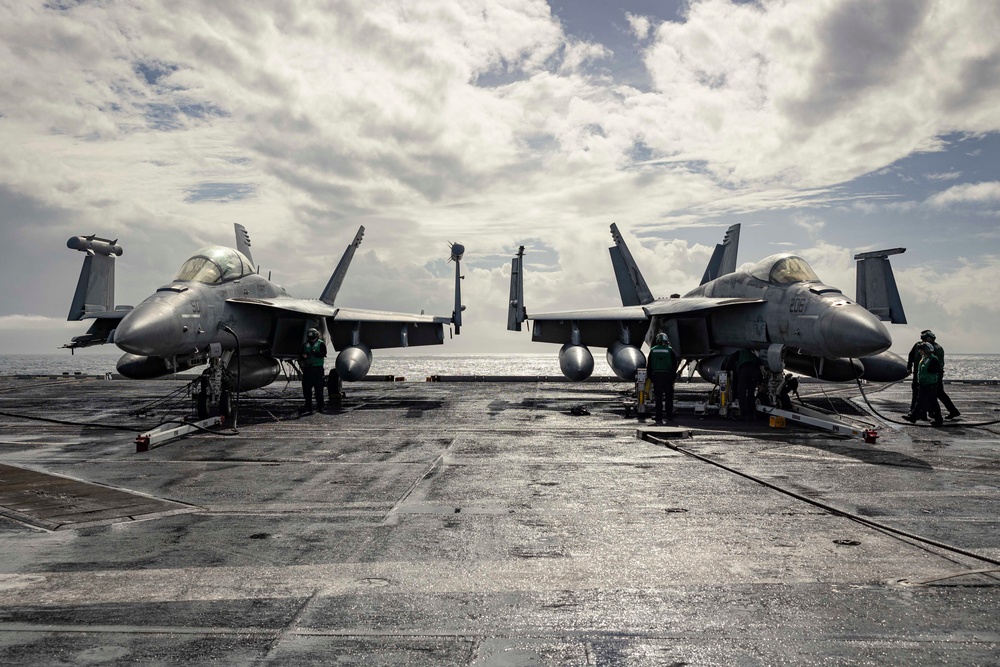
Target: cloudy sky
825 127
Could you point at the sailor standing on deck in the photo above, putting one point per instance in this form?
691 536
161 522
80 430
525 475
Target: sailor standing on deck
928 336
912 360
661 368
928 372
313 380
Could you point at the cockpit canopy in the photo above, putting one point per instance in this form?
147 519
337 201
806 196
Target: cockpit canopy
783 269
215 264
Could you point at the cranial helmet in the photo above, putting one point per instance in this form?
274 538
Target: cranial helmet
312 334
661 339
927 347
927 333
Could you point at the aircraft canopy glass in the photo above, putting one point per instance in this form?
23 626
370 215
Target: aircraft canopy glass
783 269
215 264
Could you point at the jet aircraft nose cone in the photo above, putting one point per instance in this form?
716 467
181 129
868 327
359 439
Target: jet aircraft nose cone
151 329
851 331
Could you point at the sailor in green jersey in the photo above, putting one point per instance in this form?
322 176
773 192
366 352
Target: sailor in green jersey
928 337
661 368
312 359
928 371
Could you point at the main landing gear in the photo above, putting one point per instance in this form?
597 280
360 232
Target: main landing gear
209 391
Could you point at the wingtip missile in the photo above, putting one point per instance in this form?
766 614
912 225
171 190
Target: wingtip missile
95 245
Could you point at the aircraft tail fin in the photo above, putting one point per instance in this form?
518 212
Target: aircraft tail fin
631 285
337 279
516 312
95 289
457 251
243 241
724 258
877 291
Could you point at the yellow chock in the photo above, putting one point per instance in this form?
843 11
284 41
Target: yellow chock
777 421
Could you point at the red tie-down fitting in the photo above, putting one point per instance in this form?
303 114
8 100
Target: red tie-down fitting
871 435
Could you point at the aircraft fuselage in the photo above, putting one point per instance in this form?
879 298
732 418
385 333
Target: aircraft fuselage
808 317
187 317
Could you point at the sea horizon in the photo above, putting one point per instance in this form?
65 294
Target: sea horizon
419 364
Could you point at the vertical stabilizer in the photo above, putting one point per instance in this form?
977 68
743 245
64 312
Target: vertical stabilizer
95 290
877 291
337 279
516 313
724 258
243 241
631 285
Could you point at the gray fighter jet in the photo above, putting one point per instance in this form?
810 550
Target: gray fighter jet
778 308
218 310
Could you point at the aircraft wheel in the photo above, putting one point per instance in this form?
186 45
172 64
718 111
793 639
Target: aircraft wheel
201 405
226 404
334 386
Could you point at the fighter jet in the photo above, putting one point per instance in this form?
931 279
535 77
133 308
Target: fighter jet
218 310
778 308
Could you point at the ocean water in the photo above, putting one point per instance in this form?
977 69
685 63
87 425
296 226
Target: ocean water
418 367
409 366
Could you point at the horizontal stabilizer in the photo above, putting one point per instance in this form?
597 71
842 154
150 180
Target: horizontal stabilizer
337 279
876 288
724 258
631 285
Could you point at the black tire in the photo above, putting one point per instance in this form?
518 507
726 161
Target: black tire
226 404
334 386
201 405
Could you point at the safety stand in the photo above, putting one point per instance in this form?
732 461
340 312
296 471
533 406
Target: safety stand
642 395
169 432
817 419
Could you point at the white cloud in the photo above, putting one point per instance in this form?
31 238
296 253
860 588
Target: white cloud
811 223
944 176
825 91
952 301
468 120
639 25
967 193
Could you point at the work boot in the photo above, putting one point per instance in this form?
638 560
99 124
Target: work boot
937 422
953 415
910 418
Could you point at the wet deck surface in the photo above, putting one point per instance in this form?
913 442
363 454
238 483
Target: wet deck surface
487 524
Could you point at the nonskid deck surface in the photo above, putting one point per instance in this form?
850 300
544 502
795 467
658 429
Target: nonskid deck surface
486 523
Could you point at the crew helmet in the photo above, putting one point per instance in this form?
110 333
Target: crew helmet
312 334
927 347
927 334
661 339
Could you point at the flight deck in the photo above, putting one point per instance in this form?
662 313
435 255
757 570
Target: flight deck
493 524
